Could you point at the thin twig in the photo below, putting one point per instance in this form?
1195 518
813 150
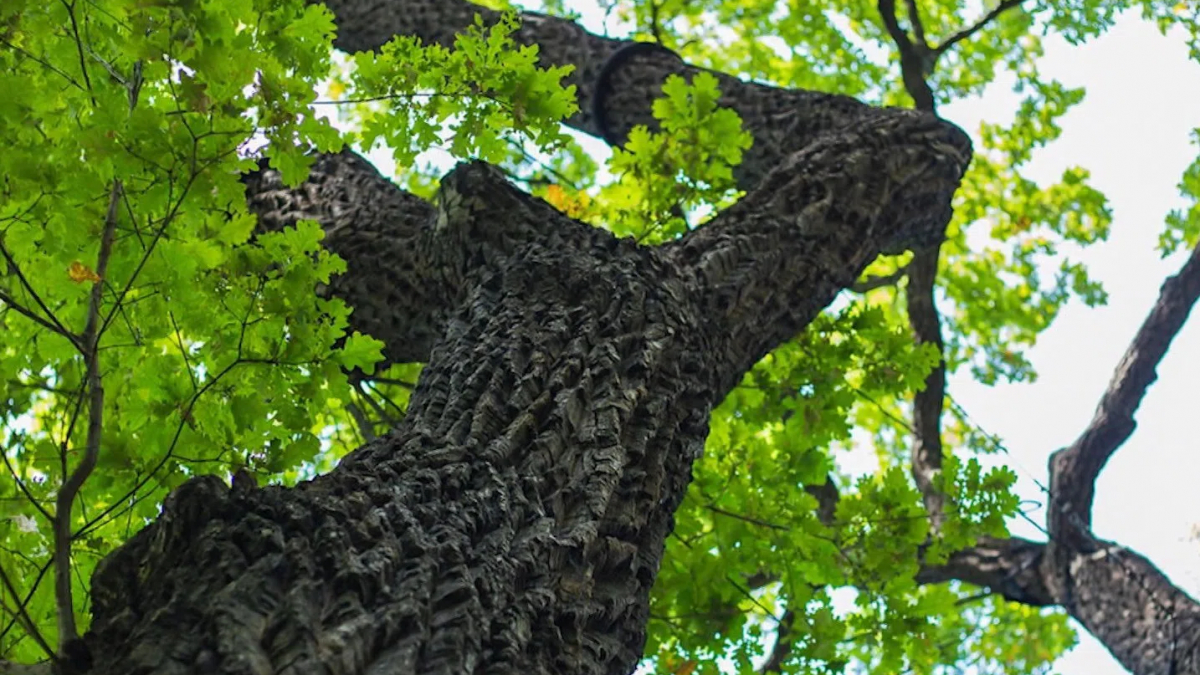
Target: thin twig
54 324
79 47
37 581
30 627
67 630
914 17
968 32
29 314
748 519
25 489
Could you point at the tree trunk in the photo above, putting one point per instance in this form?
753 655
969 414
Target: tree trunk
515 521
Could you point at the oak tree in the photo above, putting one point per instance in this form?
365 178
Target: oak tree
267 410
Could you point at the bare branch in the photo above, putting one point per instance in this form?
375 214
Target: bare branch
51 321
22 615
1010 567
31 315
1073 470
67 631
914 17
37 504
968 32
928 402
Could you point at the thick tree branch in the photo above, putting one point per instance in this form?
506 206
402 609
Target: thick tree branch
407 259
883 184
1149 625
1010 567
1073 470
398 293
781 121
1145 621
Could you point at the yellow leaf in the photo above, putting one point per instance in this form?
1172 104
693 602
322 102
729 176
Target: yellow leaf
557 197
572 205
80 273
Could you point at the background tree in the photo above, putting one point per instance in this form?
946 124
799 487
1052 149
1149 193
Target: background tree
515 519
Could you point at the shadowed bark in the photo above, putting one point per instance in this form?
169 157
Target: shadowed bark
515 521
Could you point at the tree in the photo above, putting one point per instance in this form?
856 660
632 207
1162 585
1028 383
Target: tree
514 517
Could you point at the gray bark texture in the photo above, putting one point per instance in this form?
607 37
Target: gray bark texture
515 521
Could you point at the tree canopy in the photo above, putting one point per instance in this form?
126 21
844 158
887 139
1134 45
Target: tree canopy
154 329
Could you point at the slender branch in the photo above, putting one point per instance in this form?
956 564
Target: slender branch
747 519
23 615
916 58
968 32
360 419
67 630
1074 469
391 380
52 322
928 402
37 581
783 644
25 489
887 12
70 7
914 18
31 315
42 62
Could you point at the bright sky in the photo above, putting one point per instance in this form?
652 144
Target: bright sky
1132 132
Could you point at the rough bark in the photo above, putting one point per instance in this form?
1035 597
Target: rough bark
515 520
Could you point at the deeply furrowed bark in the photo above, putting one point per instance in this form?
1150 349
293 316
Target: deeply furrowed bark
515 521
